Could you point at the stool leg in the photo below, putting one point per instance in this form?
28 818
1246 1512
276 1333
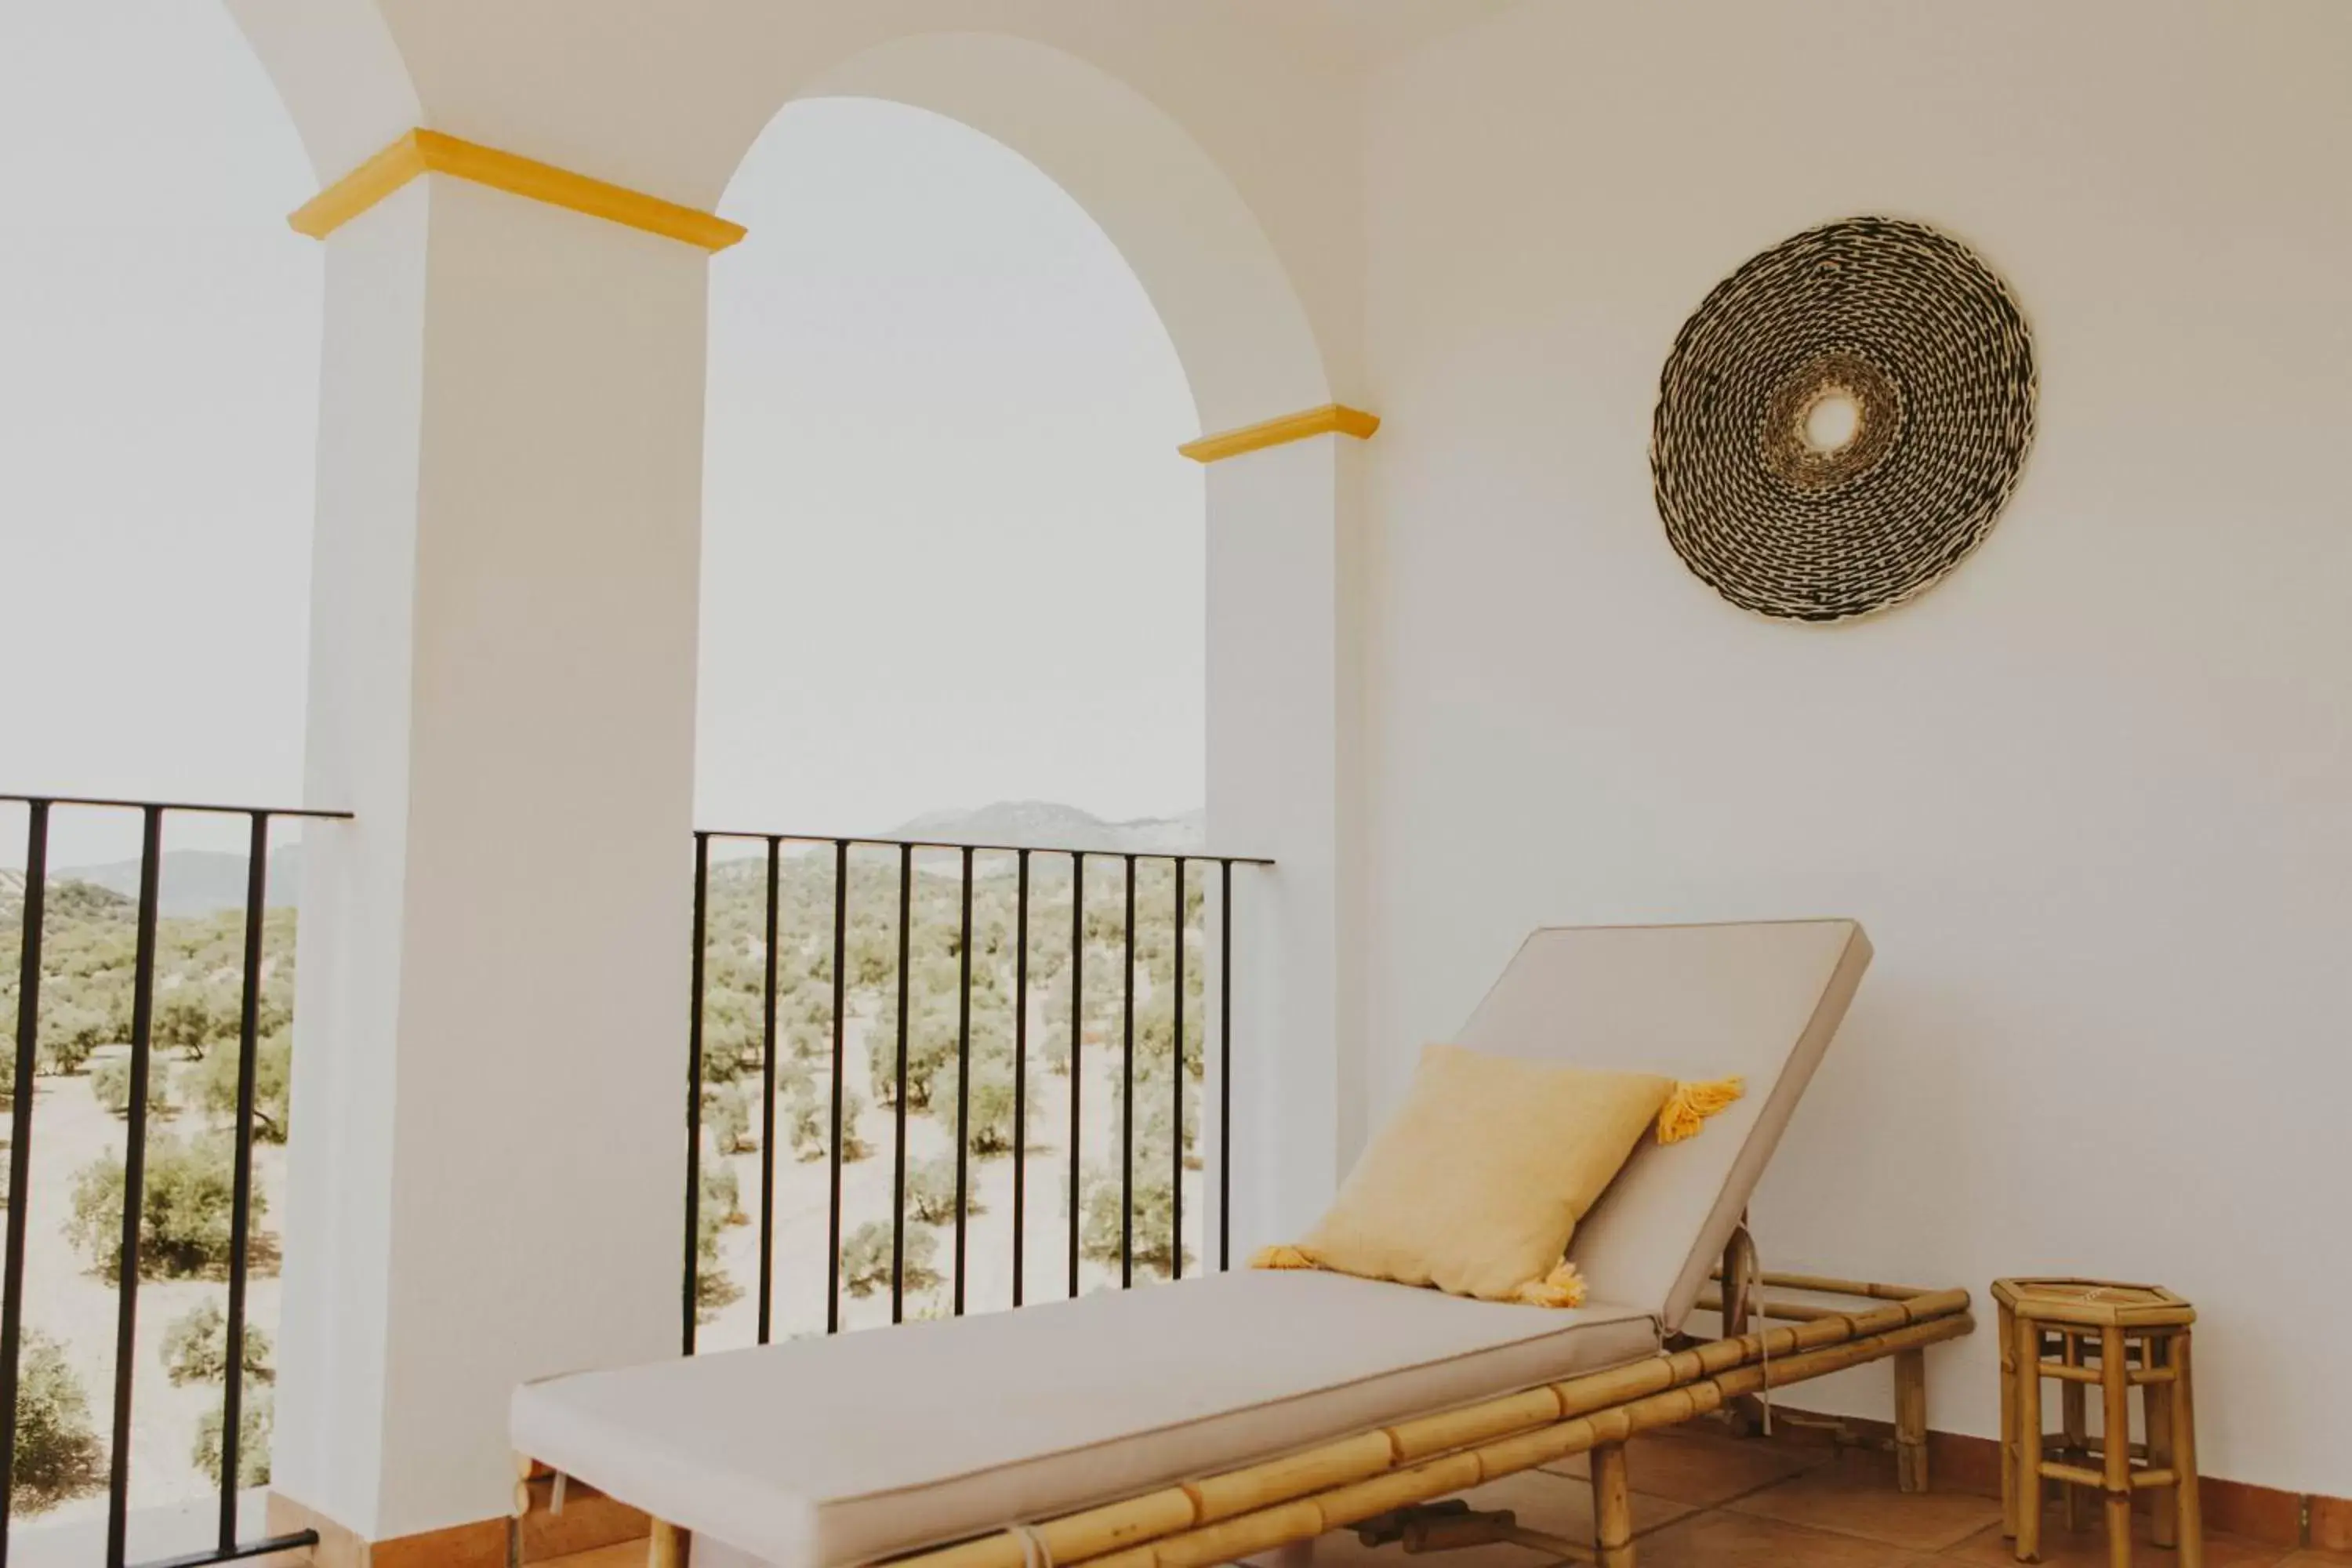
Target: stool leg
2189 1506
2074 1401
1911 1420
1612 1507
2007 1422
2115 1386
2156 1412
2027 1340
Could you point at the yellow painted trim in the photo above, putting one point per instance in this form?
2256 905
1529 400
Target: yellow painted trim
1332 418
424 152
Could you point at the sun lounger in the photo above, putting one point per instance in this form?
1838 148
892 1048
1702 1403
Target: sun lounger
1199 1422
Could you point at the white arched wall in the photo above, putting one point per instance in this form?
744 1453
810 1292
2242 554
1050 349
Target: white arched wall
506 579
1281 641
1239 330
668 100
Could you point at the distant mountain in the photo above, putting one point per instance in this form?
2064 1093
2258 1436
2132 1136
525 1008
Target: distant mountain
69 901
1047 824
194 881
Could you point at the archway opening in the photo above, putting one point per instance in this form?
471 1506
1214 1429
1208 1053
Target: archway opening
951 554
158 407
157 428
953 589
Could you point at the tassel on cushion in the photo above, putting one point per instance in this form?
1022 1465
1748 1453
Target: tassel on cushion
1283 1257
1690 1104
1563 1286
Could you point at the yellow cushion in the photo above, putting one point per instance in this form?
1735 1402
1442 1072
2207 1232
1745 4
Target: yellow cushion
1478 1182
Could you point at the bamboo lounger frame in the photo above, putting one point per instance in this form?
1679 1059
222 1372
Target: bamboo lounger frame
1236 1513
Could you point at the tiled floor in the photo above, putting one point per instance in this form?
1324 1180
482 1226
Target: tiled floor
1705 1501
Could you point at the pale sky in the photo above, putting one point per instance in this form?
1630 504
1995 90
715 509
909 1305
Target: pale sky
950 554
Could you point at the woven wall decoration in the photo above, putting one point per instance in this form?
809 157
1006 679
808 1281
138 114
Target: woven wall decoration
1843 419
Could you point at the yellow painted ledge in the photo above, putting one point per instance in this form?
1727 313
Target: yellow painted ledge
423 152
1332 418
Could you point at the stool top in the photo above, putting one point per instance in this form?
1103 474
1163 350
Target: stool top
2093 1303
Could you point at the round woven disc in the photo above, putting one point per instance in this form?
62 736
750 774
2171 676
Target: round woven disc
1785 508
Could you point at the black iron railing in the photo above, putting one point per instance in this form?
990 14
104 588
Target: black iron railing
740 924
137 1092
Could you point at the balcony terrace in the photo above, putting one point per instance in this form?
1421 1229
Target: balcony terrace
1441 280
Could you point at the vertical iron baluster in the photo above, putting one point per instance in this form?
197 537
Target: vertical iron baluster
1225 1065
898 1142
963 1084
134 1184
840 979
694 1095
1176 1165
1126 1103
1019 1070
768 1108
20 1143
248 1039
1077 1039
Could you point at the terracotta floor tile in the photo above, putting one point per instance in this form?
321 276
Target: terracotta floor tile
620 1555
1561 1505
2313 1559
1702 1468
2087 1548
1341 1550
1856 1496
1724 1539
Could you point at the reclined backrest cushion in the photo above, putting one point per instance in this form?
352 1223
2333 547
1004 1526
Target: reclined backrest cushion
1758 999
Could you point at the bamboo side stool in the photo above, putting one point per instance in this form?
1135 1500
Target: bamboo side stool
2117 1338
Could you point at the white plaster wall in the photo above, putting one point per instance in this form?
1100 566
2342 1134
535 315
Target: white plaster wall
530 786
539 1172
2093 795
503 676
1218 285
667 99
330 1392
1286 777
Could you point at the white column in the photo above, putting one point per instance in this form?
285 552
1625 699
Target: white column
1285 750
487 1166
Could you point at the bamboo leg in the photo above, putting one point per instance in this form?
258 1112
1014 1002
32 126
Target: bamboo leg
2114 1390
1612 1507
2074 1403
2027 1340
1744 1415
666 1549
1911 1420
2189 1506
1240 1513
2156 1412
2007 1423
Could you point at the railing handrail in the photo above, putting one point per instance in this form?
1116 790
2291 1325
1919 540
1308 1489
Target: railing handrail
34 913
315 813
903 851
1115 851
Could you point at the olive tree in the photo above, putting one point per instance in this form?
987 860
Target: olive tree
195 1348
183 1219
58 1452
865 1264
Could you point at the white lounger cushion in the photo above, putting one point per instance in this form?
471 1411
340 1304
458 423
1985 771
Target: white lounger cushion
1759 998
822 1453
